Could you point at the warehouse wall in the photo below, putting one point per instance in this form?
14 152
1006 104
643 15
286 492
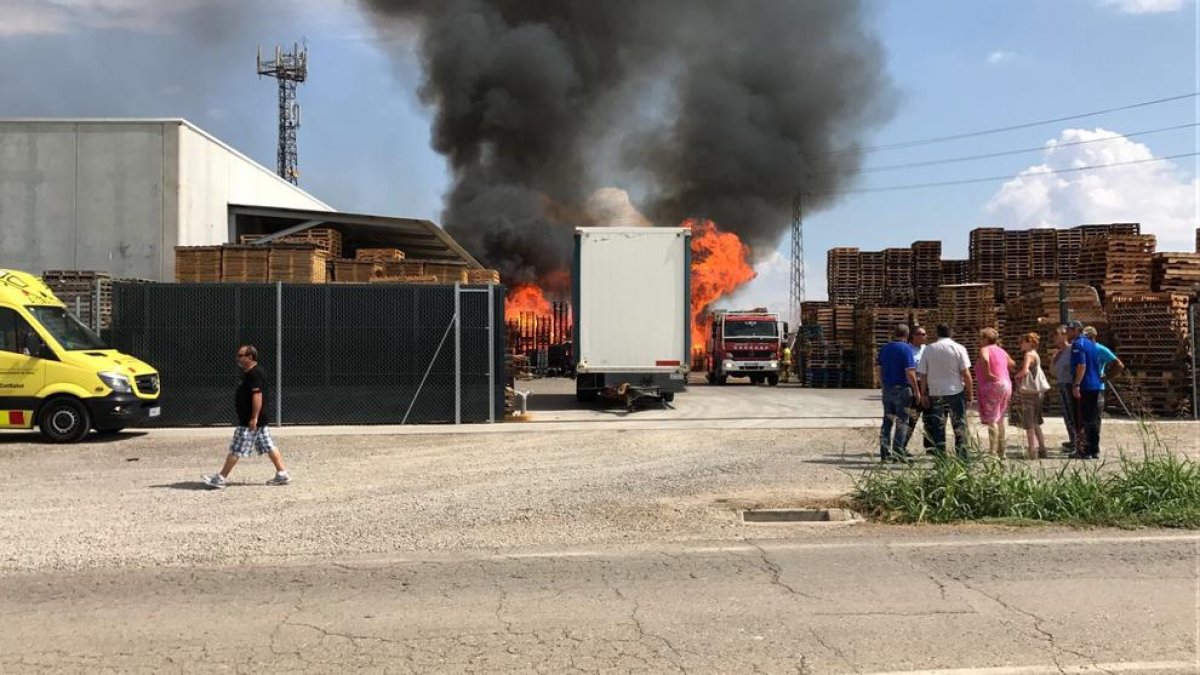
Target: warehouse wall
82 196
119 195
212 176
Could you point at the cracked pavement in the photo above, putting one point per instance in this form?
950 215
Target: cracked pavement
869 605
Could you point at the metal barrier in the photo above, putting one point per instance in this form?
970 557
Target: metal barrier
334 354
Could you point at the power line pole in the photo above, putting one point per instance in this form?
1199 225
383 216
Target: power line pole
290 68
796 295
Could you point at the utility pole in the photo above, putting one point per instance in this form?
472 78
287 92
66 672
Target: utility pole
290 68
796 294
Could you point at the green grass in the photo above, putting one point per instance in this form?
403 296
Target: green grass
1158 488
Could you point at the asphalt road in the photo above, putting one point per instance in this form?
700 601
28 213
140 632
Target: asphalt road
960 604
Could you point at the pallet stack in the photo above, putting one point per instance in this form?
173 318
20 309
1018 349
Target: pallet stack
1035 309
927 272
198 264
955 272
873 329
356 271
871 269
1070 244
245 264
844 327
1150 334
483 277
898 277
986 253
1016 258
87 294
298 263
379 254
828 366
1176 273
1116 264
326 239
967 308
1043 253
842 275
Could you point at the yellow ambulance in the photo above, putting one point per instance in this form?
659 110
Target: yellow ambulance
57 374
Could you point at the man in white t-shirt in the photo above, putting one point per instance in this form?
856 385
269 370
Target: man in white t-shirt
944 375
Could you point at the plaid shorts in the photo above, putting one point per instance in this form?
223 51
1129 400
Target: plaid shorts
246 440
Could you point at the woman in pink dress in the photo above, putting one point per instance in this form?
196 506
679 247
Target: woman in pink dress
995 387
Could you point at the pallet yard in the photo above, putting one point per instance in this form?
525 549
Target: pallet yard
1113 279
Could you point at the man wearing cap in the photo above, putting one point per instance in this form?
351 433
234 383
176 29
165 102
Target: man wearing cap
1105 356
1086 386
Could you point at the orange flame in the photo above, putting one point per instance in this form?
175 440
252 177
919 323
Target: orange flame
526 298
719 267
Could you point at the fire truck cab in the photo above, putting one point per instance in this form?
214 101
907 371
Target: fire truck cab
745 343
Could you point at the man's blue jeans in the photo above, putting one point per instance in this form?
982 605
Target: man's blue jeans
956 406
1068 404
897 401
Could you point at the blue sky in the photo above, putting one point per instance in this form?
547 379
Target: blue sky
959 66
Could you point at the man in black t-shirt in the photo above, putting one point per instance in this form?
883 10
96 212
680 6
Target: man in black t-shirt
252 433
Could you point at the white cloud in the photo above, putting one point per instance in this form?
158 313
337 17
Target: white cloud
33 17
1000 57
1145 6
45 17
1156 194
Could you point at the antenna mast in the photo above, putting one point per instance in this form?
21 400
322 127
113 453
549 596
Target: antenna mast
290 68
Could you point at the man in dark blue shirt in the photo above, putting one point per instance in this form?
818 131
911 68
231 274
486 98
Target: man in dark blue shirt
897 370
1086 389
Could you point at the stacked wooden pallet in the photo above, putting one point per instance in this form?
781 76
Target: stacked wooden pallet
197 263
379 254
986 253
967 308
1043 253
446 274
842 275
87 294
954 272
844 326
298 263
828 366
1116 264
356 271
1017 250
927 272
873 329
1070 243
809 311
1150 333
245 264
898 277
478 276
1176 273
326 239
871 269
1036 309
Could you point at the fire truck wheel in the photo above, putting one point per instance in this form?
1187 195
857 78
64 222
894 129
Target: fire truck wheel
722 380
668 396
773 380
711 377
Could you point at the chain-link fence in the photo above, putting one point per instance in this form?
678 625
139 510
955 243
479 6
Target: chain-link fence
334 354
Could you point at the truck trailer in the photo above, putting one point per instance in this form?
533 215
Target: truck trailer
631 289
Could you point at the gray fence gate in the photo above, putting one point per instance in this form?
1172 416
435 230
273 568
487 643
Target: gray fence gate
334 354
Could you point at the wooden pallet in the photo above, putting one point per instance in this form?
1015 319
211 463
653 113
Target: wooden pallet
298 263
1176 273
326 239
927 272
360 271
842 275
86 293
1116 263
476 276
872 269
967 308
379 254
898 277
197 264
245 264
954 272
873 329
419 279
1043 253
1017 247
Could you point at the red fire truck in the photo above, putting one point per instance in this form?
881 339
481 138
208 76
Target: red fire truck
745 343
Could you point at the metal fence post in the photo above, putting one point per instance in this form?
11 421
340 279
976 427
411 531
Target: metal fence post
96 305
457 354
279 353
491 350
1195 324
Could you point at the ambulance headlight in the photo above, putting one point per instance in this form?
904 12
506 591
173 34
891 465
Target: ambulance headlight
117 382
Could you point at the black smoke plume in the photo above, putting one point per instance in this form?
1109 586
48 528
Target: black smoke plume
699 108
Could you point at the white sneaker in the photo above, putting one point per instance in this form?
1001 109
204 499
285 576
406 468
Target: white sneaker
280 479
215 481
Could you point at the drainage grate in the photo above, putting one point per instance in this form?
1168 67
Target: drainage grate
798 515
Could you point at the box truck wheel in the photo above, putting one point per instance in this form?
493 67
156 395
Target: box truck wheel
64 420
586 395
773 380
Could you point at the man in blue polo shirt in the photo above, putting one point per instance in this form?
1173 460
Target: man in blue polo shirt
1087 385
898 376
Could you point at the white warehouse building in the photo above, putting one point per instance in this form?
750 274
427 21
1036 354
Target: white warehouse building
118 196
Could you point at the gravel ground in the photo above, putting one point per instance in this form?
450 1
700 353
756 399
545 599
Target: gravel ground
136 500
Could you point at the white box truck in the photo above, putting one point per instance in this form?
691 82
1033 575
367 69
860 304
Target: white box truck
632 311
